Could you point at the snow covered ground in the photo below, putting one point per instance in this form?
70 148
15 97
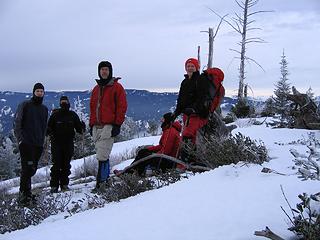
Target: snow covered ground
230 202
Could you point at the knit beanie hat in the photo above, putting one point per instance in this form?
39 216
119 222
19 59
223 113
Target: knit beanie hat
64 98
194 62
105 64
37 86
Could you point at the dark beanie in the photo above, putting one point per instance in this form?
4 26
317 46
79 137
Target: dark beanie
105 64
37 86
167 117
64 98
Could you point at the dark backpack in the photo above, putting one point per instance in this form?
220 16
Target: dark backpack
215 91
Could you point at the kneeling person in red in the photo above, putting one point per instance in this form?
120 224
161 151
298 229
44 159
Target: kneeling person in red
168 145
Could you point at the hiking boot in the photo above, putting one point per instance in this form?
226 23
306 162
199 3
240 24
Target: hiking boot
26 199
100 188
117 172
54 190
65 188
181 168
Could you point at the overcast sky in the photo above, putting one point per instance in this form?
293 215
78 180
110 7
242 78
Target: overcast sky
60 43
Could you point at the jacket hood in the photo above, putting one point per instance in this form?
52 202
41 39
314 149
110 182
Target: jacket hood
108 65
106 82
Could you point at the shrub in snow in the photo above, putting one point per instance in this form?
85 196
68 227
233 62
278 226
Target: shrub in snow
308 166
305 218
129 185
214 152
90 168
15 217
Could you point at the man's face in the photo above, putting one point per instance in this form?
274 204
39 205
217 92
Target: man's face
39 92
64 102
104 72
190 68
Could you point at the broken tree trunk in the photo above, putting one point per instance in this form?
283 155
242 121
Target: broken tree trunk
268 234
304 111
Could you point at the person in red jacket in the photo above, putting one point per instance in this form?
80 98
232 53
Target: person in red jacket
170 139
108 106
169 145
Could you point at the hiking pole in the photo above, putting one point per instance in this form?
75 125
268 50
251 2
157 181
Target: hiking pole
46 157
84 160
185 124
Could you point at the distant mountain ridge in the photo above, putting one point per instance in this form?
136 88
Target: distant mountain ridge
142 104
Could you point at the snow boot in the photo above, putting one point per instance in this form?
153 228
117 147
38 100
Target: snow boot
102 176
65 188
26 199
54 190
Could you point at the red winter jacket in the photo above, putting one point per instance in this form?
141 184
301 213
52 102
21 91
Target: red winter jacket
170 141
108 104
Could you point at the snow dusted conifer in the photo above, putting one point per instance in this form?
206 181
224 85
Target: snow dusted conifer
83 144
282 88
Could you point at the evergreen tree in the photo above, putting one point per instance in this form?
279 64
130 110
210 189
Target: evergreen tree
311 95
282 88
269 109
129 130
152 127
9 157
83 144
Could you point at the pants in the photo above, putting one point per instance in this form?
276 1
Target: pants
103 141
156 163
62 153
192 125
30 156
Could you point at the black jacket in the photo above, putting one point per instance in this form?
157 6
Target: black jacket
62 124
192 94
30 123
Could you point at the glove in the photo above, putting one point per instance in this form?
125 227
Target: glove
169 117
115 130
189 111
83 125
90 131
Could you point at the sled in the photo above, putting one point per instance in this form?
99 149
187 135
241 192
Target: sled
157 161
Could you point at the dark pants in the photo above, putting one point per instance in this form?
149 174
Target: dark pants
156 163
30 156
62 152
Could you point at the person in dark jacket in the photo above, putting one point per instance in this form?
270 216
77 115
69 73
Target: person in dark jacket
108 106
61 126
191 103
30 123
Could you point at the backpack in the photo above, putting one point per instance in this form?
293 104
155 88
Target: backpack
215 91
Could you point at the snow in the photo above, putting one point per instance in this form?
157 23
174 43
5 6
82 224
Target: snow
230 202
6 110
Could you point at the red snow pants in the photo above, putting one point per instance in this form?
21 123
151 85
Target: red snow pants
192 125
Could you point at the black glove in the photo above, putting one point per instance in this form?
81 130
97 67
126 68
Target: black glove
169 117
189 111
83 126
90 131
115 130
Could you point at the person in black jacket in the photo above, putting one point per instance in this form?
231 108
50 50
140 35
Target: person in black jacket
61 126
191 103
30 123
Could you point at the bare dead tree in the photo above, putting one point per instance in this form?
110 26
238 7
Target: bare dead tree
212 36
242 24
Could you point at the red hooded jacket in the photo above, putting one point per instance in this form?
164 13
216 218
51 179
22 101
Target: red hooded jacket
108 104
170 141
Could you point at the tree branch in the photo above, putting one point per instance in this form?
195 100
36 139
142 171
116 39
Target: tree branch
268 234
